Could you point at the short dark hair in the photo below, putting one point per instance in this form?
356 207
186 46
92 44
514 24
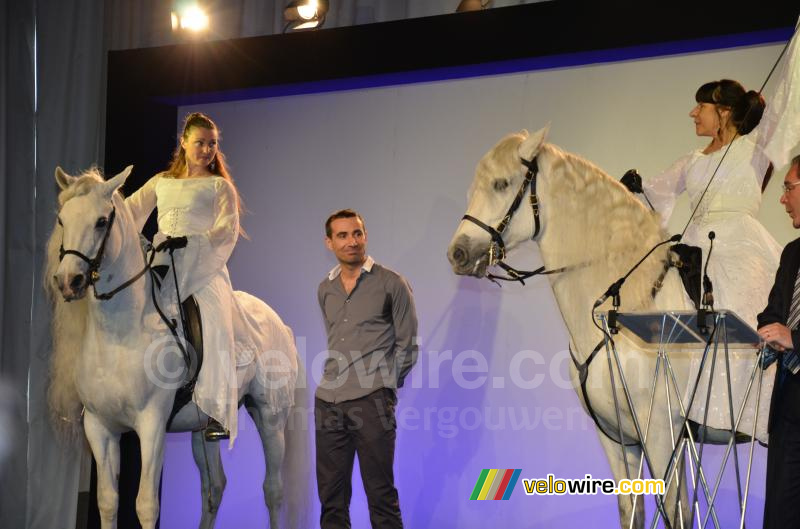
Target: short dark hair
795 161
342 214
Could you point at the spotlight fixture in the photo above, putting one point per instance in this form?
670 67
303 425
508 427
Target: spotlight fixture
304 14
189 16
473 5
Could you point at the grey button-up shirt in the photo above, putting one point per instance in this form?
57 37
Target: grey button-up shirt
371 333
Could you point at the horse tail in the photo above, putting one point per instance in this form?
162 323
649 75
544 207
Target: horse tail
297 462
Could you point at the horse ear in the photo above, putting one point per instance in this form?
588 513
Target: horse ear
531 145
116 182
63 179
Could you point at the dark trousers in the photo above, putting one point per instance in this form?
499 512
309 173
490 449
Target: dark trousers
366 427
782 502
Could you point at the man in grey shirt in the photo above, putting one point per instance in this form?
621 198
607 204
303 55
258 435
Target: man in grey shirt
372 325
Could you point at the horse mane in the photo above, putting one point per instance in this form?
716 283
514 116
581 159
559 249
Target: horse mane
600 219
68 326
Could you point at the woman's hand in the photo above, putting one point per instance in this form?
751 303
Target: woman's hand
172 243
632 180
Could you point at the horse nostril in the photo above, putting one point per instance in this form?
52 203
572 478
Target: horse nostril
76 282
459 256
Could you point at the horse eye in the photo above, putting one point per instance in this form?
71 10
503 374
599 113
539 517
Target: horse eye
101 223
500 184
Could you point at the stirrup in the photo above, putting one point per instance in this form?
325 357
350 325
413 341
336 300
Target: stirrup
215 432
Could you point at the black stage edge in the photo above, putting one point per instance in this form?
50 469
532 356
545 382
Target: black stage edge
146 86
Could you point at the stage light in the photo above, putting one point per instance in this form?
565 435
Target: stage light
305 14
473 5
189 16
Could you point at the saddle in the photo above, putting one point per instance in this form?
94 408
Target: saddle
193 334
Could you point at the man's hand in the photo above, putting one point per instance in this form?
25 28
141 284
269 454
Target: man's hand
777 336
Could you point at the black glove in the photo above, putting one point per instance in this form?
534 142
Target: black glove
632 180
172 243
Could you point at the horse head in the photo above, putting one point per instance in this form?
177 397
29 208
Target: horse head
86 216
497 217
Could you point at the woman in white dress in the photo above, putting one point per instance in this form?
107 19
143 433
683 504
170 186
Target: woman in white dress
745 256
197 199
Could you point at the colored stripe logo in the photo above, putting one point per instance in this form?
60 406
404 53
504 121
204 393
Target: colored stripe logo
495 484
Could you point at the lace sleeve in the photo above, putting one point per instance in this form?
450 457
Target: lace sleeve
663 190
223 235
143 201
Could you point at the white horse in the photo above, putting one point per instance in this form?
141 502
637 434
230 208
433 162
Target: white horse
108 353
590 225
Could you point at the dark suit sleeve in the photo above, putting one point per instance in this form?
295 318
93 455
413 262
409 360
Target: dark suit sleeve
780 297
776 310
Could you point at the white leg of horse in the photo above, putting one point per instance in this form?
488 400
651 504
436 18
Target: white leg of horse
615 458
659 454
105 447
270 428
676 501
151 438
212 477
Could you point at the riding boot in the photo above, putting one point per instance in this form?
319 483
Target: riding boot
215 431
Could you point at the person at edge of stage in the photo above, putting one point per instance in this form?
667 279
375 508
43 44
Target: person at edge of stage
371 325
778 326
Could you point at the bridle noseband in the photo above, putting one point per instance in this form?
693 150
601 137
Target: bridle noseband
94 264
497 250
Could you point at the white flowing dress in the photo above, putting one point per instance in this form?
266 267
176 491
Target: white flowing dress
204 210
745 256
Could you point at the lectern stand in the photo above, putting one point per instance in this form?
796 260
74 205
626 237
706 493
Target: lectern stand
667 333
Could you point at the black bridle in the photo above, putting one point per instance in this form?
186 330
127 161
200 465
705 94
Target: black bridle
497 249
94 263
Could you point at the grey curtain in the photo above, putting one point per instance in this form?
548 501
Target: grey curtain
17 163
52 97
70 72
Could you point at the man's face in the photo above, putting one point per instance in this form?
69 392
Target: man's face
348 241
791 194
